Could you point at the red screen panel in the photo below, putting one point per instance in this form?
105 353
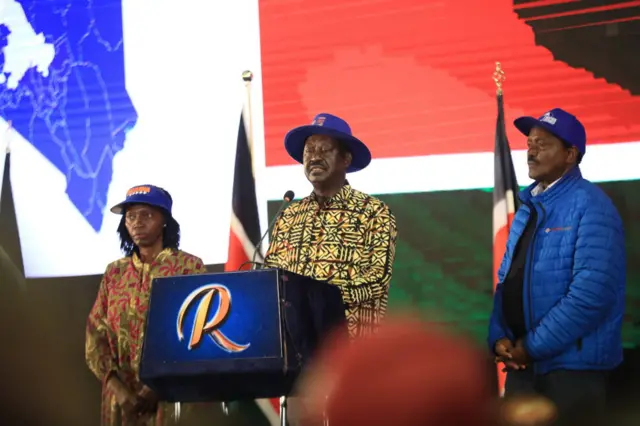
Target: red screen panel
414 78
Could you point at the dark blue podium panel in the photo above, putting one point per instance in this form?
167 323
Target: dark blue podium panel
236 335
214 317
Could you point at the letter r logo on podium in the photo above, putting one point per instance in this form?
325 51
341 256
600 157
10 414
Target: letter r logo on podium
201 324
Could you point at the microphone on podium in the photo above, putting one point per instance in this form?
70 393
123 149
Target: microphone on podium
286 200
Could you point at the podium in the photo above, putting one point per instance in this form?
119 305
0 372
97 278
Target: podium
234 336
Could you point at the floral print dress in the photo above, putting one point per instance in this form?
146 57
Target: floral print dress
115 329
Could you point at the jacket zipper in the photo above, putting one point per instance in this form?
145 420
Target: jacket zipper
507 272
530 267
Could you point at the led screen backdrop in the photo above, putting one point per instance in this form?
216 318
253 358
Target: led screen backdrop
122 92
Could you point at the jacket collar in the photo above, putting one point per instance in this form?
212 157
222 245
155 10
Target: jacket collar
560 188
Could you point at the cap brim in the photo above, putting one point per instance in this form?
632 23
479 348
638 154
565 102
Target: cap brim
294 144
121 207
525 124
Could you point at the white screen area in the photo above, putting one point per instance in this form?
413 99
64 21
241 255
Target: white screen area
603 163
123 93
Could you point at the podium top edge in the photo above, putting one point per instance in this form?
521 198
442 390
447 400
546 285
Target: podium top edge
209 274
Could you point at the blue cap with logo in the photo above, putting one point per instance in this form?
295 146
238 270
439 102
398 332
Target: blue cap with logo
332 126
145 194
559 123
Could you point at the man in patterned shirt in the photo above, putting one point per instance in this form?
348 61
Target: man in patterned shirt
337 234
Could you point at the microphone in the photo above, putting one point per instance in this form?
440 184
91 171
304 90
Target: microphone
286 200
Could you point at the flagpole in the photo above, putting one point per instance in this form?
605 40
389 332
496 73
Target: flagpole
498 78
498 244
247 77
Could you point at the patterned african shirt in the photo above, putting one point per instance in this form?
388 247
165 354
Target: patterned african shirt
115 328
349 242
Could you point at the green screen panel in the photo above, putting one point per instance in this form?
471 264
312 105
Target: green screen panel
443 265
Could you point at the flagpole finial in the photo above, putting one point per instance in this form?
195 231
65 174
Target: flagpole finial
499 78
247 77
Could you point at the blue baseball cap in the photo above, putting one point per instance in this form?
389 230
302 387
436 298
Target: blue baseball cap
332 126
145 194
559 123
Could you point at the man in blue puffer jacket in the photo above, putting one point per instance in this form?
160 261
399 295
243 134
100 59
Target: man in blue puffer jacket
559 303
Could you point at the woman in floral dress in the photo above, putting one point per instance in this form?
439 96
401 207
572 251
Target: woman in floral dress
149 238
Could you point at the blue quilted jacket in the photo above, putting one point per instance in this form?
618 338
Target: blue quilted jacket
574 286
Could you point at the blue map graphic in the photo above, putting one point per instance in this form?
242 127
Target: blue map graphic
75 111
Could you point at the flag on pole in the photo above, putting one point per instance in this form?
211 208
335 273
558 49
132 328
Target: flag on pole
505 201
245 227
245 221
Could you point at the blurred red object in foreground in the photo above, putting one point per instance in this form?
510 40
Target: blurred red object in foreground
528 410
409 373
